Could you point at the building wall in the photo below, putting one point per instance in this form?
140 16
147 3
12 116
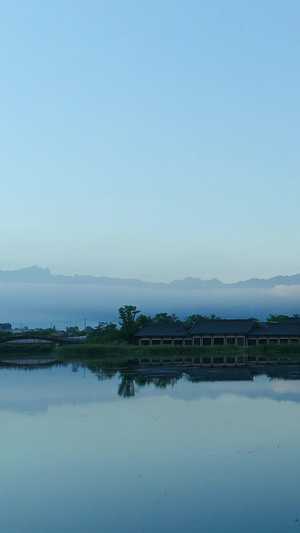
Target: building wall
284 339
218 340
196 340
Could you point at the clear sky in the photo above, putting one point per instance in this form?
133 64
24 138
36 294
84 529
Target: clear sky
151 139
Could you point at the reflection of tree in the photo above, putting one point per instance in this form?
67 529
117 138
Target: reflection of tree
129 379
126 388
135 375
101 370
102 376
163 381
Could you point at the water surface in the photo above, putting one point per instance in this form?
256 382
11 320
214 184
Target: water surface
85 451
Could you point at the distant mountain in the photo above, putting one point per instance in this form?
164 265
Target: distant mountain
36 274
268 283
32 274
196 284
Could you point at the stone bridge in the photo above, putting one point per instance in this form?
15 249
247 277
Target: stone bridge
32 339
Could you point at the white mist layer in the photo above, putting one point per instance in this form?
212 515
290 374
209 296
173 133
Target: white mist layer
40 305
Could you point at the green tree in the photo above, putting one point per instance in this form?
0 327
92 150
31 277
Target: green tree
128 322
72 330
104 333
6 327
276 318
165 318
190 320
141 320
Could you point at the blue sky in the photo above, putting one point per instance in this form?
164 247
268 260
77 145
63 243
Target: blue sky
151 139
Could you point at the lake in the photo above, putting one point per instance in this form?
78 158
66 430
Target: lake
88 450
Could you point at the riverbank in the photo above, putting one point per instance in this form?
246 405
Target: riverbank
131 351
122 353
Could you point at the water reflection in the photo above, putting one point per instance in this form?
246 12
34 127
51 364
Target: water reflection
126 387
89 448
281 377
274 381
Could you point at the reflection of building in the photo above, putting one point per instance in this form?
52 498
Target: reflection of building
244 332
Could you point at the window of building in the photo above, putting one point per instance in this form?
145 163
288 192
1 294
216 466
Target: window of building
241 341
218 341
273 341
230 360
188 342
218 360
230 340
178 342
251 342
145 342
206 341
262 341
284 341
197 341
155 341
294 341
167 341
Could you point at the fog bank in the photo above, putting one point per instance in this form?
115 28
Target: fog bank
40 305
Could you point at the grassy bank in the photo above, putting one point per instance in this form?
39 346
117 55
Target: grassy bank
129 351
19 350
117 353
124 352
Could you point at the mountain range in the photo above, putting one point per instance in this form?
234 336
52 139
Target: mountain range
36 274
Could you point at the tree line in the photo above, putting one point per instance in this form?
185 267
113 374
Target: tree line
130 321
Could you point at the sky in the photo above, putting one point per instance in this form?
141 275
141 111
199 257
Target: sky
150 139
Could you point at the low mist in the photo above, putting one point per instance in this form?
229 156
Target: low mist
43 305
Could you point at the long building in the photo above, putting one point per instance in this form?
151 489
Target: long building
239 332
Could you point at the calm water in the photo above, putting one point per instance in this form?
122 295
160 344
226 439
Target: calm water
85 451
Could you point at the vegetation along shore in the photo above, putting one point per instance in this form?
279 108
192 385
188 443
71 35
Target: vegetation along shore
163 339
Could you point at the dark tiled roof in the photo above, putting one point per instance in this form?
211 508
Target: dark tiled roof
265 329
292 320
222 327
162 330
